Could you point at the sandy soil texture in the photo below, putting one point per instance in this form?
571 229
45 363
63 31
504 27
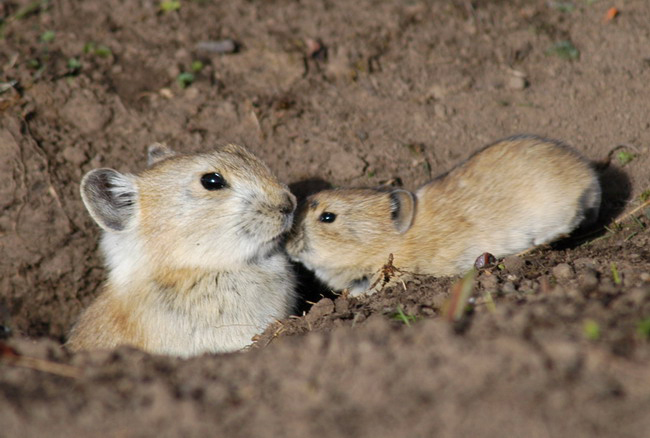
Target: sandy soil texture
345 94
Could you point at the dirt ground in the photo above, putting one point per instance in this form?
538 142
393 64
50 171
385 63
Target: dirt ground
556 342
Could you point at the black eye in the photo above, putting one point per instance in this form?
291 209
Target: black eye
213 181
327 217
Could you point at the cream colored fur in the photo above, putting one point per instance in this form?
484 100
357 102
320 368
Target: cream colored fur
189 270
514 194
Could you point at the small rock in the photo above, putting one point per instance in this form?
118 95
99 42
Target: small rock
221 46
74 155
585 262
488 282
442 111
86 113
588 280
517 83
484 260
508 287
644 276
566 358
639 295
563 271
438 301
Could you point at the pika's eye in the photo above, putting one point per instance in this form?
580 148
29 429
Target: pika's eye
213 181
327 217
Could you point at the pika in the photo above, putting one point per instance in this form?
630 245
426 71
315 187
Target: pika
193 250
516 193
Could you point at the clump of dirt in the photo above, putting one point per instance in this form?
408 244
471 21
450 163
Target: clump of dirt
555 342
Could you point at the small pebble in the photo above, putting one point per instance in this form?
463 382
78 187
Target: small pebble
484 260
362 135
517 83
508 287
639 295
563 271
584 262
221 46
588 280
489 282
74 155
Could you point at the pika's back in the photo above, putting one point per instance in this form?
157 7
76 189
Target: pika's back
510 195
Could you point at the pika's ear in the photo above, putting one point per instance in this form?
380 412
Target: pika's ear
110 198
402 209
157 152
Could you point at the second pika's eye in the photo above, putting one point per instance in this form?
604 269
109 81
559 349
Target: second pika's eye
213 181
327 217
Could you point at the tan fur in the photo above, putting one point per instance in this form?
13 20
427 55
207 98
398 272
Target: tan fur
513 194
191 270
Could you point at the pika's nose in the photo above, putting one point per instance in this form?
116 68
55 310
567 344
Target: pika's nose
289 204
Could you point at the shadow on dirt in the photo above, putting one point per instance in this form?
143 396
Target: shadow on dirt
616 190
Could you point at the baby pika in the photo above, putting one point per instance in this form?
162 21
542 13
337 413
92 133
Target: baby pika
193 251
513 194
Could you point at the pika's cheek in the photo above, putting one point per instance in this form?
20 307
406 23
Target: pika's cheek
295 243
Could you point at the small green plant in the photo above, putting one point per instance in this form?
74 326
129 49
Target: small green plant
97 49
74 66
615 275
170 5
565 50
197 66
47 36
643 328
645 196
564 7
404 317
624 157
591 329
185 79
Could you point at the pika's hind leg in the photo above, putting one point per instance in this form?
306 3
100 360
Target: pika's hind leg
588 206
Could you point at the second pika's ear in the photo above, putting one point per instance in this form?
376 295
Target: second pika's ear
402 209
110 198
157 152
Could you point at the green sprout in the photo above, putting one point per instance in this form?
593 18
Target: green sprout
404 317
565 7
615 275
624 157
565 50
47 36
185 79
643 328
591 329
98 50
645 195
74 65
170 5
196 66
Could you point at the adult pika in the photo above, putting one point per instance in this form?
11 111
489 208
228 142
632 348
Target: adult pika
193 251
513 194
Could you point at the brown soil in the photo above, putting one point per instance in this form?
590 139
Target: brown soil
341 93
